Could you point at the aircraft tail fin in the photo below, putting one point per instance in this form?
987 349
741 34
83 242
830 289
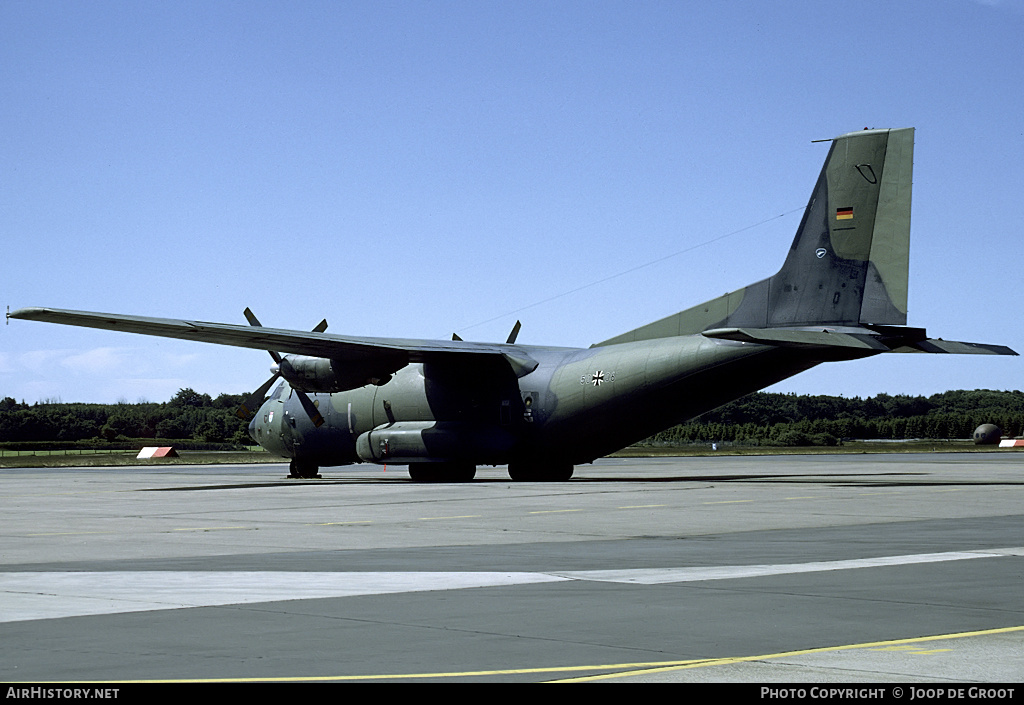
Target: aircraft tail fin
849 261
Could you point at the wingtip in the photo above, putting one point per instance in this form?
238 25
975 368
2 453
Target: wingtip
27 313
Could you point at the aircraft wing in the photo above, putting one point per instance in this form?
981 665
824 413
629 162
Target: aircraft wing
336 347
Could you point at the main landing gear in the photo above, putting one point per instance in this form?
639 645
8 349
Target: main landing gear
528 471
442 472
464 472
523 471
303 469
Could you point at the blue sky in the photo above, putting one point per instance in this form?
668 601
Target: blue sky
415 169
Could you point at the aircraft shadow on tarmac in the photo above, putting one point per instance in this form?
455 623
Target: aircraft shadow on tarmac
894 479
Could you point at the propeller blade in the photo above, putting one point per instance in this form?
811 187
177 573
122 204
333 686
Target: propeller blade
255 322
255 400
514 334
310 408
251 317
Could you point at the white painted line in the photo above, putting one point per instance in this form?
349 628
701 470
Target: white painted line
657 576
51 595
25 596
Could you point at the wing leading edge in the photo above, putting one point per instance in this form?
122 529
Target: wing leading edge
342 348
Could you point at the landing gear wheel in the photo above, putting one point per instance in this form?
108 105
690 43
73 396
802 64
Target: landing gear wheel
442 472
527 471
303 469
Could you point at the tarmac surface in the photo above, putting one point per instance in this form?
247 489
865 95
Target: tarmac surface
897 568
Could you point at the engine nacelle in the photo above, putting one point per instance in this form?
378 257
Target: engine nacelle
323 375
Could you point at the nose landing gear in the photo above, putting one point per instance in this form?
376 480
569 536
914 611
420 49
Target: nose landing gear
303 469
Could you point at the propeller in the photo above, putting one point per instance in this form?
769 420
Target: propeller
511 336
255 400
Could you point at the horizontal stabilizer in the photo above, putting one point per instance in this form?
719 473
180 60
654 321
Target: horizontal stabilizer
938 345
885 339
783 338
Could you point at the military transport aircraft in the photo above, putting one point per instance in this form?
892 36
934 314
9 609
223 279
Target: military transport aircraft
444 407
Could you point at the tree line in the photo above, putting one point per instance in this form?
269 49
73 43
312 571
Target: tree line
792 420
189 415
758 419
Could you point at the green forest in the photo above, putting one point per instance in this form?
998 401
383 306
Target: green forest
190 416
792 420
757 419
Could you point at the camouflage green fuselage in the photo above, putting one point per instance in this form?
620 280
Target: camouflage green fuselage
577 405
